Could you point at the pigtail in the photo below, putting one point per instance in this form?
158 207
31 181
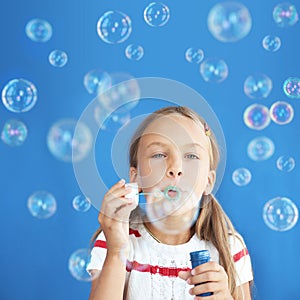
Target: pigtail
213 225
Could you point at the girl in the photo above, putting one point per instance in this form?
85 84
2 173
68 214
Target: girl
142 252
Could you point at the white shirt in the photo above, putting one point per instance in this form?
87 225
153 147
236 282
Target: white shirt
152 267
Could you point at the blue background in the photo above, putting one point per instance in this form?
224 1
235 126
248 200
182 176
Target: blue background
34 253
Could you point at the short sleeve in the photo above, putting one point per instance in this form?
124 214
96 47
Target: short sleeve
241 259
98 254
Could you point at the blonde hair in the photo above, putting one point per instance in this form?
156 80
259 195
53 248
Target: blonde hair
212 224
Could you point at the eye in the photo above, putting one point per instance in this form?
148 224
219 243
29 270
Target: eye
191 156
158 155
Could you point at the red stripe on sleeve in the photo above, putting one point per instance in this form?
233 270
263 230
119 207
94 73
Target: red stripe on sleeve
101 244
239 255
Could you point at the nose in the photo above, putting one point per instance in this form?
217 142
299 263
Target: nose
175 169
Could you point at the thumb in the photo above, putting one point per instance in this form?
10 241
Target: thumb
184 274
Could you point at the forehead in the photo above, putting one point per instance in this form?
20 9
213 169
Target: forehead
176 129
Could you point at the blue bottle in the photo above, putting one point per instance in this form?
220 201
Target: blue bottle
199 258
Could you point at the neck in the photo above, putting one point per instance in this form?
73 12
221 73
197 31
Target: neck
178 238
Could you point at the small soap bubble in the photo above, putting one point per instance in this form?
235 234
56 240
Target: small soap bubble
194 55
291 87
260 148
134 52
281 112
156 14
42 204
229 21
285 163
38 30
280 214
285 14
65 143
81 203
58 58
114 27
14 133
271 43
214 70
96 81
256 116
257 86
78 262
241 177
19 95
124 89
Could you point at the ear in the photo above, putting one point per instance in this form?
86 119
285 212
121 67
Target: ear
210 182
133 174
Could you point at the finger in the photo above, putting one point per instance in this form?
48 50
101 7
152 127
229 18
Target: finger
208 287
211 276
206 267
184 275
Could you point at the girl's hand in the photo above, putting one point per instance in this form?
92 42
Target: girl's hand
212 278
114 218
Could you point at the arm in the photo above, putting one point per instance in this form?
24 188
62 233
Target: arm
114 219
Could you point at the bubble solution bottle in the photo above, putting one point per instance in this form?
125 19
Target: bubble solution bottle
199 258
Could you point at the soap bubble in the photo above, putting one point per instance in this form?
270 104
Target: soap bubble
280 214
81 203
134 52
78 262
14 133
194 55
42 204
19 95
58 58
38 30
256 116
285 14
260 148
285 163
241 176
281 112
96 81
124 87
229 21
156 14
271 43
257 86
291 87
64 143
114 27
214 70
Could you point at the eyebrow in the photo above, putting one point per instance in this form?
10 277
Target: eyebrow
165 145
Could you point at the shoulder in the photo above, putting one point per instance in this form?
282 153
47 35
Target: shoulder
237 246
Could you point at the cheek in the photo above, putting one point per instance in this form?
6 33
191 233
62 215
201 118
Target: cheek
196 174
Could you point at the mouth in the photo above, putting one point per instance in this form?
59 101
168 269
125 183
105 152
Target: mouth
172 192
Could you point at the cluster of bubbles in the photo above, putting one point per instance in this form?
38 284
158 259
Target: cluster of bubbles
42 204
260 148
78 262
214 70
271 43
241 176
194 55
14 133
280 214
69 140
19 95
258 86
81 203
285 15
229 21
58 58
258 116
291 87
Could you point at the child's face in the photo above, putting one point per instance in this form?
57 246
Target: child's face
174 151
